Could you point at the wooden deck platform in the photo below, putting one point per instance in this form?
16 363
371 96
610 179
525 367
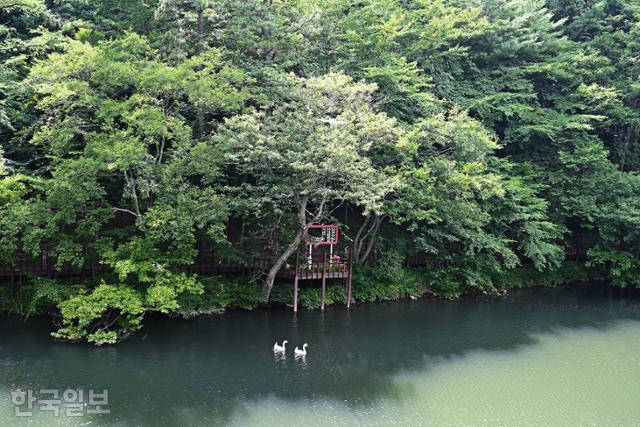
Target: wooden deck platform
323 270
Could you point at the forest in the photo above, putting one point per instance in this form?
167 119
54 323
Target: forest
496 140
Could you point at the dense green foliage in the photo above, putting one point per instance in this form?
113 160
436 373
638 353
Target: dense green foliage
489 138
40 295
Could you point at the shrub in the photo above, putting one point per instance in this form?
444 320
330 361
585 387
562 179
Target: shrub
621 267
282 294
389 280
337 294
4 296
452 282
220 293
444 284
36 296
311 298
528 276
110 313
162 296
104 316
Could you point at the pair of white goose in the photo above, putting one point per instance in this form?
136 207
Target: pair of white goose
281 348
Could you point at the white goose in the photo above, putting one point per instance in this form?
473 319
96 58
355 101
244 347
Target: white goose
302 352
280 348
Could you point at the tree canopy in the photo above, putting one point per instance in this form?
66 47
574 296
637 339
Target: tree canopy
484 136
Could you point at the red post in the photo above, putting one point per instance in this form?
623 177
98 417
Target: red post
324 279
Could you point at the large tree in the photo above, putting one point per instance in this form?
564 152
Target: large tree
310 153
115 142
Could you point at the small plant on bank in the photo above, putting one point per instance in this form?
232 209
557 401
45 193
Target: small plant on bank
35 297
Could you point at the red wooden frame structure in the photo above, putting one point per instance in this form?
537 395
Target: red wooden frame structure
332 268
327 269
328 232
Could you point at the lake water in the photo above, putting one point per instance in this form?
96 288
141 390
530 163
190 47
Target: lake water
539 357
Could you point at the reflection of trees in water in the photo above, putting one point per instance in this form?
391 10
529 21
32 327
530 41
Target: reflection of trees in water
208 367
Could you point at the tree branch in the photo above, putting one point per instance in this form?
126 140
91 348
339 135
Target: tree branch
134 194
115 209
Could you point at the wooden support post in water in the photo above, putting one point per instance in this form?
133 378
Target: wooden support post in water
295 294
349 281
324 279
295 287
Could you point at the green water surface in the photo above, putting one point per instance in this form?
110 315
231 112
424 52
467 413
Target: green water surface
539 357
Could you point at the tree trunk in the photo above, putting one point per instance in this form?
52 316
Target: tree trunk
357 242
271 276
627 140
371 224
243 228
372 238
200 30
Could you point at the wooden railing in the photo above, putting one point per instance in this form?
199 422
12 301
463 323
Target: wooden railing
46 266
331 269
205 263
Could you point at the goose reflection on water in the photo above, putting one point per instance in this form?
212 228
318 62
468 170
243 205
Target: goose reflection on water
280 358
301 361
